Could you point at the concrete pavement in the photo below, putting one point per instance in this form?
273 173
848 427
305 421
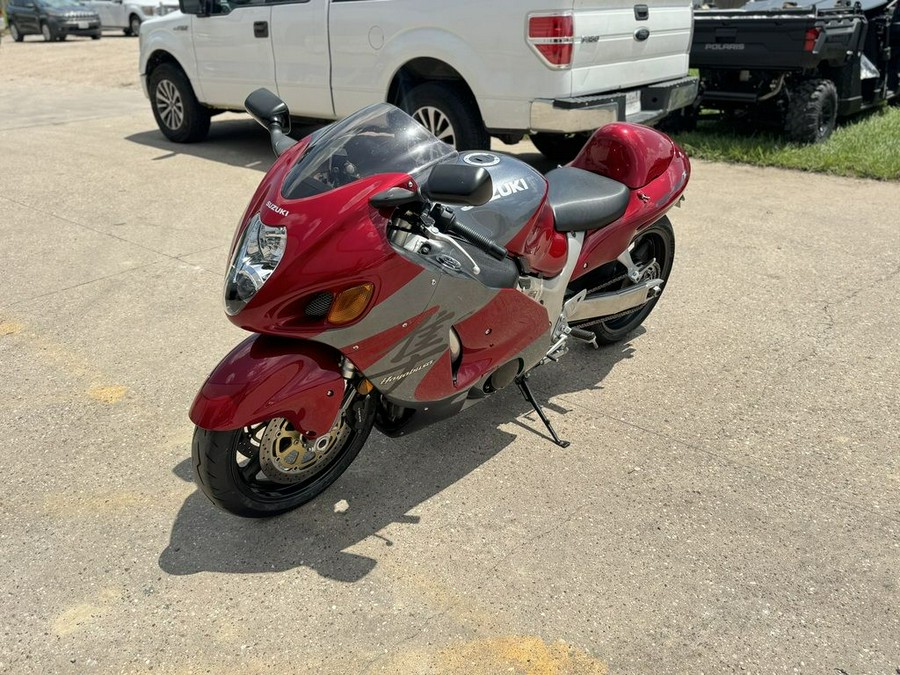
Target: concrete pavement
729 501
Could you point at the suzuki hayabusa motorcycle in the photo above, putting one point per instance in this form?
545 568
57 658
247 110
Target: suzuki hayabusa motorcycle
390 281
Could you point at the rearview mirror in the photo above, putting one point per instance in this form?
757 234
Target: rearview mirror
192 7
459 184
267 109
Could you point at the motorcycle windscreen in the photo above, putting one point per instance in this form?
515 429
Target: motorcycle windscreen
375 140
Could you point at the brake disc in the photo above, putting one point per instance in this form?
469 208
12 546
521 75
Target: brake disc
285 456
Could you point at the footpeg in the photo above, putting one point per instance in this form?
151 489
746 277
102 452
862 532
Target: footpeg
583 335
522 383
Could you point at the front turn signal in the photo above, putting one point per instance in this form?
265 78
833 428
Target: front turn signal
350 303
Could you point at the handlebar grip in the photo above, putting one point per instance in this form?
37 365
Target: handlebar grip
475 238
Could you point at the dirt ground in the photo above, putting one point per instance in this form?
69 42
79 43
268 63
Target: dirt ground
111 61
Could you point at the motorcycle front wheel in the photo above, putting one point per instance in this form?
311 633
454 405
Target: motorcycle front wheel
269 468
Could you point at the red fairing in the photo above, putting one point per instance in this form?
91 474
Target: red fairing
629 153
650 199
266 377
543 250
492 336
343 244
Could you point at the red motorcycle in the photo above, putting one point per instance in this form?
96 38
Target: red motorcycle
391 281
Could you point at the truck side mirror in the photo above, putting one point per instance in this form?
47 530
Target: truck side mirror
197 7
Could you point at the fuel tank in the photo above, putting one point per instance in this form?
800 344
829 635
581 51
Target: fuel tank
517 216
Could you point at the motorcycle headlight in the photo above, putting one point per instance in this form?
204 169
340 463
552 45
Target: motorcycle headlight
256 256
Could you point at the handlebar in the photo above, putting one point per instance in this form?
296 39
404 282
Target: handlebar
446 221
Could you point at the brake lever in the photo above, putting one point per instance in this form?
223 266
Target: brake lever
440 236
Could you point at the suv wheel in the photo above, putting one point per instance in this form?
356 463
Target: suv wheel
48 33
14 32
134 25
178 114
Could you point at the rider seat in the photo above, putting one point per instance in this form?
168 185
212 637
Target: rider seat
582 200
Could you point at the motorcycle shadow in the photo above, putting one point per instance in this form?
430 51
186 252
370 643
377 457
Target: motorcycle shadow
388 479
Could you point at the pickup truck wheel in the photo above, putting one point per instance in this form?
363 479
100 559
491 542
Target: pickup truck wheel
14 32
812 112
134 25
178 114
560 148
449 112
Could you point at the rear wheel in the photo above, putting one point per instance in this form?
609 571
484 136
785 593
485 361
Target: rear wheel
134 25
270 468
812 112
654 251
178 113
561 148
14 32
449 112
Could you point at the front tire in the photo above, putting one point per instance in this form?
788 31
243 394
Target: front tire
134 25
178 113
657 242
269 468
812 112
449 112
47 32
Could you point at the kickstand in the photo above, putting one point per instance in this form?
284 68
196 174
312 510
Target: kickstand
522 383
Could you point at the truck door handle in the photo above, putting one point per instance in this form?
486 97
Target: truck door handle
641 12
261 29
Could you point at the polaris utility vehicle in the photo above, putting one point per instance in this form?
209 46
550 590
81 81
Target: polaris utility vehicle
799 67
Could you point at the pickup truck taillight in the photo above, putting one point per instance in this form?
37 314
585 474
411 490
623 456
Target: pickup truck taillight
553 36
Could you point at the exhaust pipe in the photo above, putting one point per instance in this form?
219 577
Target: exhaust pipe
583 307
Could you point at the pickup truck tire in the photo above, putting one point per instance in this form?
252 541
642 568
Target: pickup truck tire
178 114
14 32
134 25
561 148
449 112
812 112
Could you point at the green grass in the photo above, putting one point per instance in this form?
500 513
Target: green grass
867 146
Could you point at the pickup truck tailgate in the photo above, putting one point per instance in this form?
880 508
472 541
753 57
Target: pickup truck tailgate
626 44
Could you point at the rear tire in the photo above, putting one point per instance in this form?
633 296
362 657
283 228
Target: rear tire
134 25
812 111
449 112
14 32
656 242
244 471
178 114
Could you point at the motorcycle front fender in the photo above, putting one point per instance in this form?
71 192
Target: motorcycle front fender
265 377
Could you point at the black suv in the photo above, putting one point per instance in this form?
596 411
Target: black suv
54 19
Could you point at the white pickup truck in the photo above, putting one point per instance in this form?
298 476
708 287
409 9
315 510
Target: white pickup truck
128 14
467 70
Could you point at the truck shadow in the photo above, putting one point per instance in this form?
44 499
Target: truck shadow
242 142
388 480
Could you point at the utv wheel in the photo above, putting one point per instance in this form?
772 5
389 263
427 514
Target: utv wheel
560 148
270 468
449 112
812 112
48 33
134 25
654 249
14 32
178 114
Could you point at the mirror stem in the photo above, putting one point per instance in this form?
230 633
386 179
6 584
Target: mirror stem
280 142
